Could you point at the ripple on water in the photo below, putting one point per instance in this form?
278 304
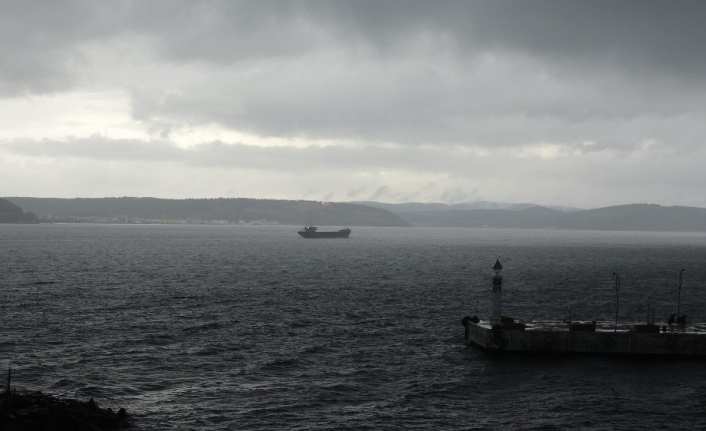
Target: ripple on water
190 327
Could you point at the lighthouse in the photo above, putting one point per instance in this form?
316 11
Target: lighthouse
497 292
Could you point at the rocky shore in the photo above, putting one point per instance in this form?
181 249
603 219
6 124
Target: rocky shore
30 411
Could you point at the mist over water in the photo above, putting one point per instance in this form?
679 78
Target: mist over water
244 327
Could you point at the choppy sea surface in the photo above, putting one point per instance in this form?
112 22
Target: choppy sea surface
255 328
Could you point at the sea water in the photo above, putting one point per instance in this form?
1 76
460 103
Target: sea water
254 327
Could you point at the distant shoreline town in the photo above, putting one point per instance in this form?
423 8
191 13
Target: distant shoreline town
141 220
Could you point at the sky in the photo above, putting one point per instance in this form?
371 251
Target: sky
583 104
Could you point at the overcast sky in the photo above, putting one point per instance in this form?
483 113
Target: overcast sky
584 104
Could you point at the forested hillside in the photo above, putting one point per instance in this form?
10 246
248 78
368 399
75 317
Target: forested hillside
240 210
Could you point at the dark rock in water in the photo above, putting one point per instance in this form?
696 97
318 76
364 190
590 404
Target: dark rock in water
37 411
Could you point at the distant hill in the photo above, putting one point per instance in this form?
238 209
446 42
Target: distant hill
11 213
528 218
241 210
476 205
648 217
635 217
424 207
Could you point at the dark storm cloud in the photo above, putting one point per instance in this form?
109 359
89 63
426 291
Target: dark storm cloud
643 36
423 72
39 42
501 73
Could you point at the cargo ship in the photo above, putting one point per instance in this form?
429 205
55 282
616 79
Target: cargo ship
504 334
313 232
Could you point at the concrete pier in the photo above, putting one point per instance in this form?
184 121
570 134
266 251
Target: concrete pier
504 334
545 338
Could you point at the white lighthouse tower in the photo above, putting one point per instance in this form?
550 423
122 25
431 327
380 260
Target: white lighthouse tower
497 292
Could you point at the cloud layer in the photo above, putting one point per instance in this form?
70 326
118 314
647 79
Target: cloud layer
554 102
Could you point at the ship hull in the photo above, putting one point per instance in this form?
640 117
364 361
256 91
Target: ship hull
343 233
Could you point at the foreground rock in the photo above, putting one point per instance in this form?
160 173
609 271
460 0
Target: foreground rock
37 411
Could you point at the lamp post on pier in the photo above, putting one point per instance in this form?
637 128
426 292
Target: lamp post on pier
679 293
617 299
